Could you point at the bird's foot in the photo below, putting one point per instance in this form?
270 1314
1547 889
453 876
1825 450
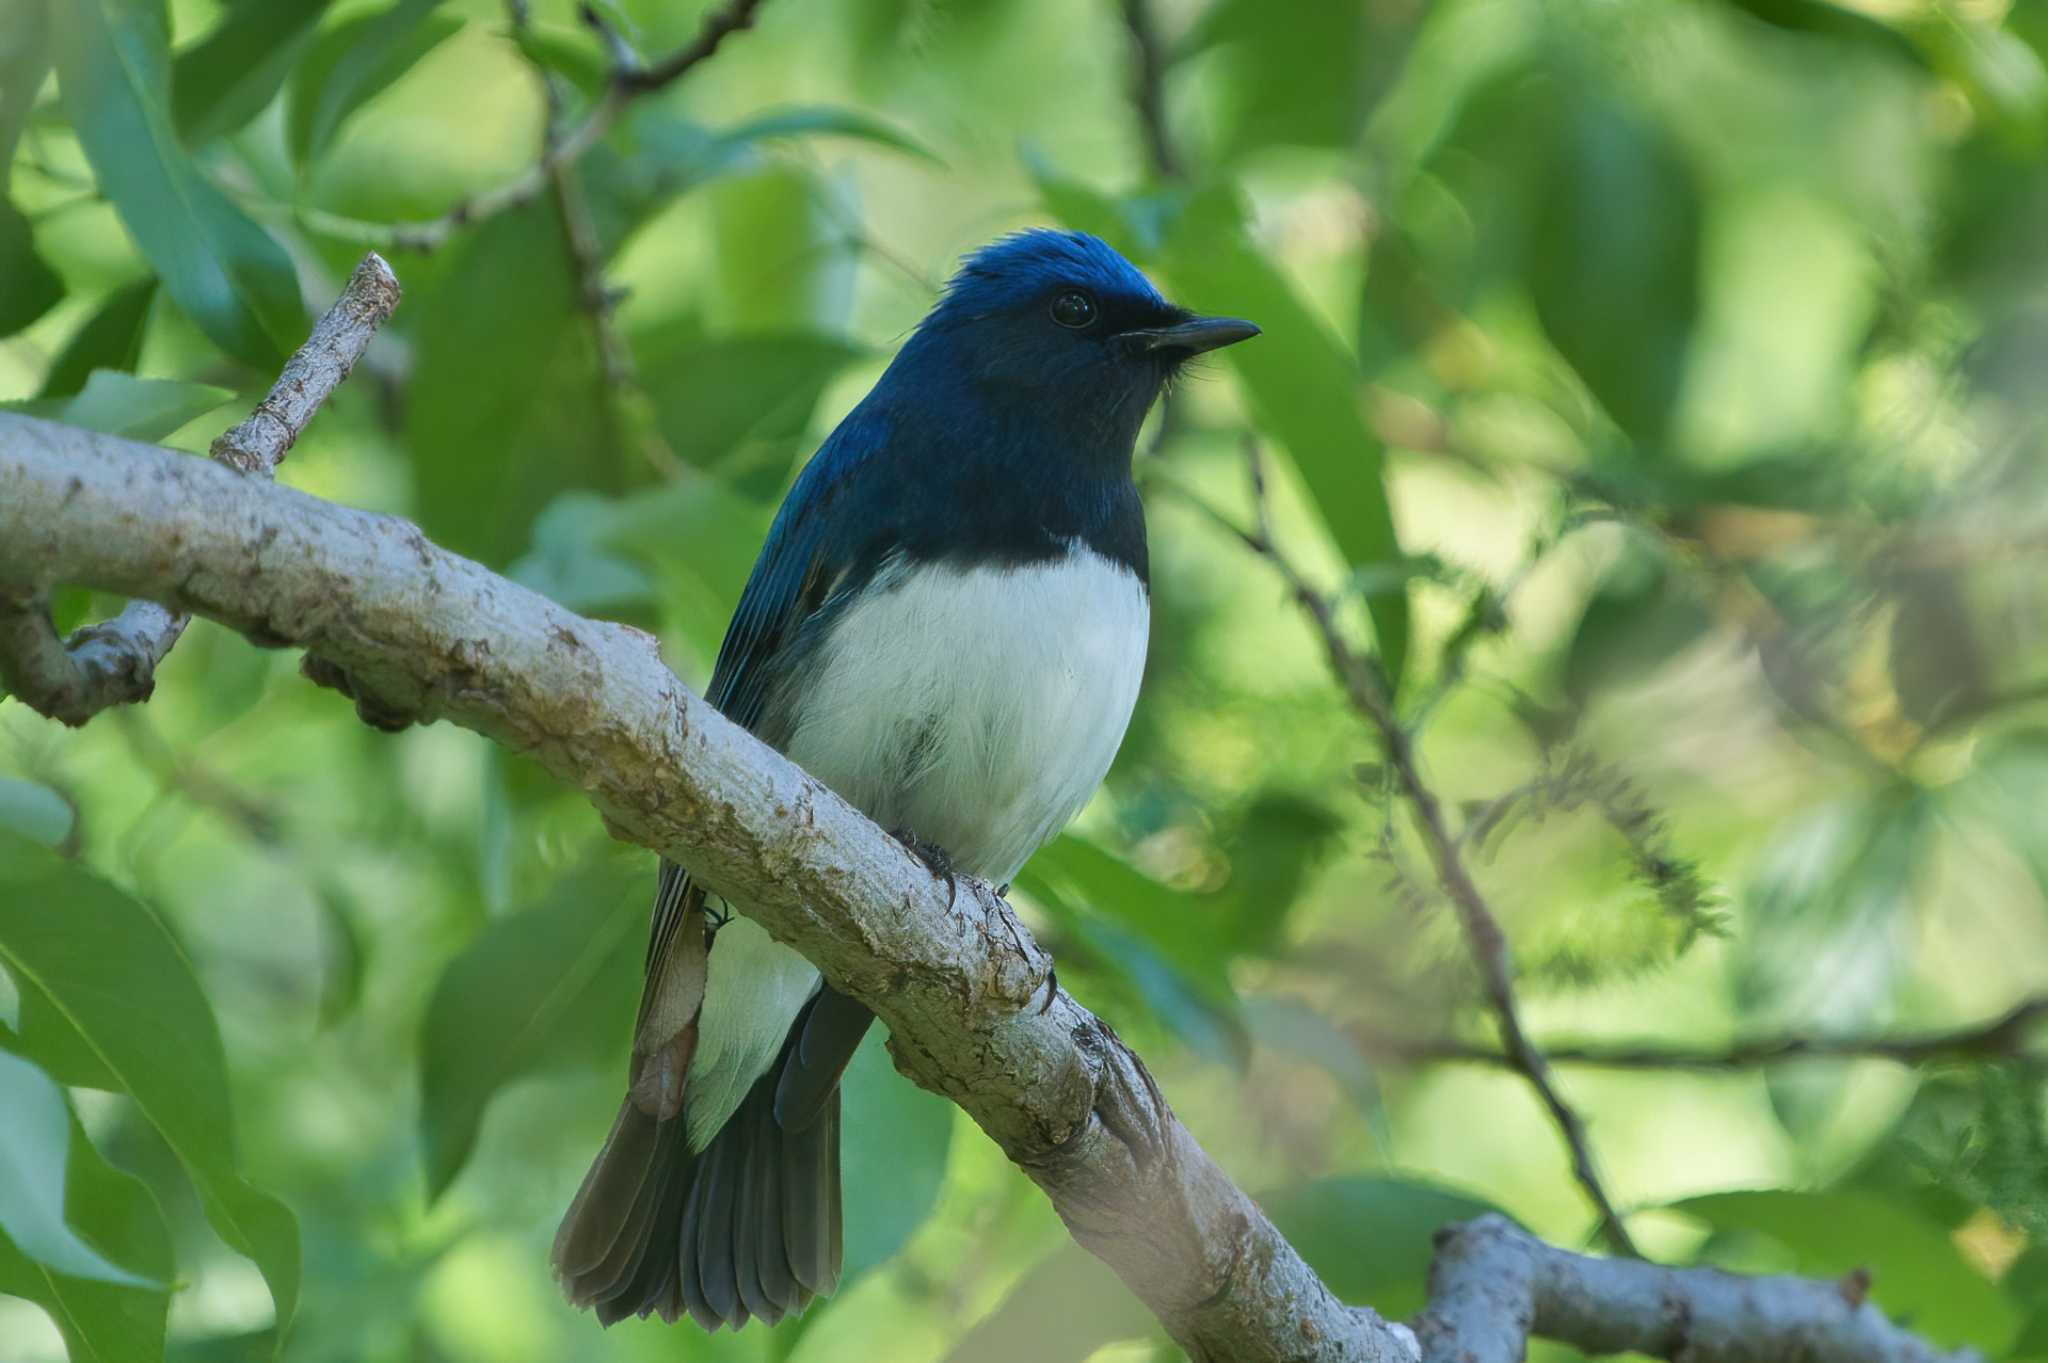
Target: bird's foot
936 859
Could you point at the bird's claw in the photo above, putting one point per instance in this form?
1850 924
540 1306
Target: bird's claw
936 859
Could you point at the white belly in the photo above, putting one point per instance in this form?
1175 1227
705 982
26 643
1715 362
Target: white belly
978 709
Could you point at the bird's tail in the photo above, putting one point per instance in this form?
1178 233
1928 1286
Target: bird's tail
746 1228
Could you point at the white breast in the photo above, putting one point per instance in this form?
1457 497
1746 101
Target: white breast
977 708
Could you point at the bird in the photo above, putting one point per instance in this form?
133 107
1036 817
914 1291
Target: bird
947 624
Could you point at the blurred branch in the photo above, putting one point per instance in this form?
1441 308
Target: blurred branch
959 982
1493 1286
628 79
1148 89
1367 691
628 398
115 662
2004 1037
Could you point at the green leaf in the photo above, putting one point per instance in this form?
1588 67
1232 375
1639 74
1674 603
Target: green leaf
1310 79
109 339
24 62
489 458
121 404
1917 1272
1304 387
101 1322
100 967
1067 1306
35 811
567 52
894 1140
1168 943
1823 19
744 403
826 120
1389 1269
350 64
1643 614
225 272
228 77
1614 266
35 1147
2007 786
28 287
549 986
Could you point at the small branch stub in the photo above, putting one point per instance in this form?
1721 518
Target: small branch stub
115 663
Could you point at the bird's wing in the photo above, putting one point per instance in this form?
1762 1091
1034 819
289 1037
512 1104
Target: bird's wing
808 564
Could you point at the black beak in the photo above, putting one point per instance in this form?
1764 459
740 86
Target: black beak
1195 335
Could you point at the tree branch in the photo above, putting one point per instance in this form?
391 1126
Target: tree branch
959 983
1493 1285
1362 683
2001 1038
629 79
115 662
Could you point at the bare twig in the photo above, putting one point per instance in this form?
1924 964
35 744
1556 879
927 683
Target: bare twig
1493 1286
1367 692
2004 1037
628 80
115 662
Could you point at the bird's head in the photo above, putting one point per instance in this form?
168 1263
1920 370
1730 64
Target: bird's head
1059 323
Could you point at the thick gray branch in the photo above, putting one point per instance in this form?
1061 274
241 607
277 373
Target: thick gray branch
424 634
115 662
961 986
1494 1285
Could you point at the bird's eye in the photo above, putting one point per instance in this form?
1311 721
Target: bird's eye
1073 309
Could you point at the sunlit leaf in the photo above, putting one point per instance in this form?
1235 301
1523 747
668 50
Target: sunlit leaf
35 1145
548 986
1916 1271
1305 389
121 404
351 63
1067 1306
1309 79
226 273
102 968
101 1322
111 338
227 77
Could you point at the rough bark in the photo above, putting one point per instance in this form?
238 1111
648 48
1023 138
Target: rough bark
421 634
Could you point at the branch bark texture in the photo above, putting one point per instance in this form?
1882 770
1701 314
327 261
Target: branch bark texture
958 981
115 662
426 635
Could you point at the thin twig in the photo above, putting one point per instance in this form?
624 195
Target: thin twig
115 663
1489 945
1148 88
628 80
2001 1038
632 408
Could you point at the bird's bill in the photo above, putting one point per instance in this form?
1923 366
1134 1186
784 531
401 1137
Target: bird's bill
1195 335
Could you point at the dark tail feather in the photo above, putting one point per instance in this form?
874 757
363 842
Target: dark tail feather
747 1228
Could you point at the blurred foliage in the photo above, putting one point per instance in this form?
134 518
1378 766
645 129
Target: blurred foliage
1658 388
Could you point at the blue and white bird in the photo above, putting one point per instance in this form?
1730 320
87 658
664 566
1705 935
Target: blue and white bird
947 626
